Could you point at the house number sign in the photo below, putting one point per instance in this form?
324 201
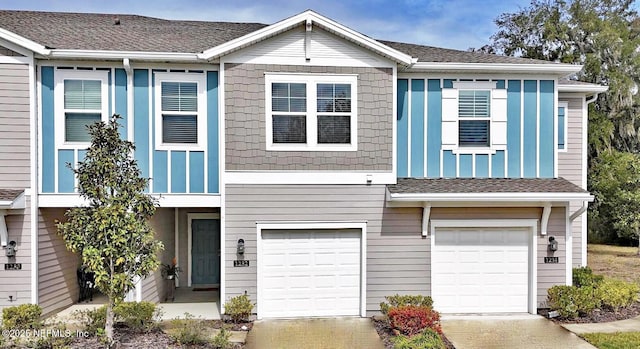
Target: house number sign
13 266
240 263
552 260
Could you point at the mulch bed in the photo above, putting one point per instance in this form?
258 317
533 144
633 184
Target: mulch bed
154 339
604 315
386 333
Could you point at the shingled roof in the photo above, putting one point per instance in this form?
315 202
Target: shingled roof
483 185
442 55
9 194
94 31
123 32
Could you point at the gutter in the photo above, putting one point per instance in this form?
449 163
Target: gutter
492 197
121 55
559 69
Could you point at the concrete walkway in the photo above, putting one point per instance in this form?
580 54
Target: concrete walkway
334 333
629 325
508 332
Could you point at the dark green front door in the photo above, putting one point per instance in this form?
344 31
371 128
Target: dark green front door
205 251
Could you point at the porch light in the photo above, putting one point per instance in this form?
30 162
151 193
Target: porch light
240 247
553 244
11 249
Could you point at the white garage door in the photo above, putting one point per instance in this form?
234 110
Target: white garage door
310 273
480 270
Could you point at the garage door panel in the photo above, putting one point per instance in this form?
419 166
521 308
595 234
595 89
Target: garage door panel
480 269
310 273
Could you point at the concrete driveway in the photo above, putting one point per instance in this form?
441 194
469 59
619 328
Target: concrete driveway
313 333
508 332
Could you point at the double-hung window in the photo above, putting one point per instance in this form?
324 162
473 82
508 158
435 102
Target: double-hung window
474 113
311 112
180 104
81 100
474 117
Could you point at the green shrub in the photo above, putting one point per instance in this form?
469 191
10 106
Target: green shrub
23 316
404 300
221 340
189 331
238 308
428 339
93 320
572 301
617 293
584 276
136 315
61 340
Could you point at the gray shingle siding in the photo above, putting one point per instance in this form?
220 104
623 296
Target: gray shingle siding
245 130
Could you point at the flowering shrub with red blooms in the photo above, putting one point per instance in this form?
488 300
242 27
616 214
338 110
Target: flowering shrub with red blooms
410 319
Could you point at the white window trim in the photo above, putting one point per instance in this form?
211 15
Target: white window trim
312 115
60 76
490 86
564 105
201 114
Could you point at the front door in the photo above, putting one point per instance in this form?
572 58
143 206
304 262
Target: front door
205 251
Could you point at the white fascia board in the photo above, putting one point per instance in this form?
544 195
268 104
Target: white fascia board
315 18
583 88
490 197
551 68
120 55
23 42
164 200
188 200
19 202
279 177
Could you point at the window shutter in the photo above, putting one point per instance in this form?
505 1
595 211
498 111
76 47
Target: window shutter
561 130
449 117
499 118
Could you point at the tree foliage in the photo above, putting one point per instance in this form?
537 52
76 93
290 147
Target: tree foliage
112 233
615 182
604 37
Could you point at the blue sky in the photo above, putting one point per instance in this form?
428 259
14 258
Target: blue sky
456 24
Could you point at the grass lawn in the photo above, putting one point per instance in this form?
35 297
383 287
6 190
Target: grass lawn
620 340
614 261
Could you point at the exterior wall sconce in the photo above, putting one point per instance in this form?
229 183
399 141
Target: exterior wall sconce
240 247
553 244
11 249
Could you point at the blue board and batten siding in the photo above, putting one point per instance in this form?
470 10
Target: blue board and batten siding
171 171
530 150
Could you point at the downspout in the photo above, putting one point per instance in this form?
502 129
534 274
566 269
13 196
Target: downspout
582 209
34 190
579 212
136 293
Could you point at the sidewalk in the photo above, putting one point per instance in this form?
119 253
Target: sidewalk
629 325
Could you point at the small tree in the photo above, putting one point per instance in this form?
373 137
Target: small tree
112 233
